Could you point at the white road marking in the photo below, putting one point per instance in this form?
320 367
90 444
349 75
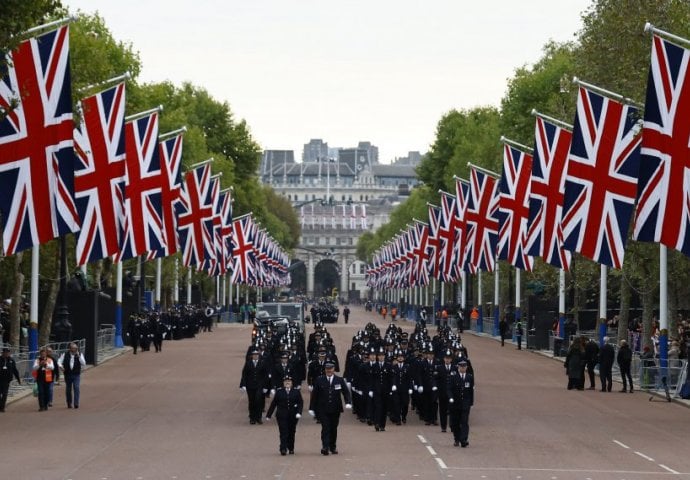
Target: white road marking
564 470
440 463
431 450
621 444
669 469
421 439
644 456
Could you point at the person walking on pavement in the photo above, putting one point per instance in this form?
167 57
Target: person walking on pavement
43 373
346 313
624 359
326 404
71 363
287 403
607 354
8 370
255 383
503 330
461 400
518 334
592 358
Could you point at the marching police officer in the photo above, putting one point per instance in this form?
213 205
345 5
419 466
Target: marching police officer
255 382
8 369
287 403
326 404
461 399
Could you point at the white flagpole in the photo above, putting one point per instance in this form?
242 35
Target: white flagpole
33 310
158 284
480 321
118 306
663 308
602 303
176 292
518 295
189 285
561 304
223 290
497 298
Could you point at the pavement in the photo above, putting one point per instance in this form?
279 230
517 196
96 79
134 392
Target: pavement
180 414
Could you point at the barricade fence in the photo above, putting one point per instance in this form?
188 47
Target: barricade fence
105 341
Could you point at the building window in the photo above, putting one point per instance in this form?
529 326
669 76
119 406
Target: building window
361 269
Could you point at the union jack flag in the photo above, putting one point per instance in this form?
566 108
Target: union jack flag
448 261
601 182
421 253
226 229
214 264
462 191
434 241
513 207
243 251
99 177
170 151
143 227
195 217
663 197
544 236
482 221
36 147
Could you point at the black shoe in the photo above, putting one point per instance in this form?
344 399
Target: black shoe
631 390
69 405
76 406
398 423
324 451
252 422
334 451
383 429
443 430
260 422
50 404
465 445
404 420
291 452
283 452
623 391
456 444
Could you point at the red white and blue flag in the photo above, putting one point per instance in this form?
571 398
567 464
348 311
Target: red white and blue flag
243 251
170 151
195 217
421 253
448 261
462 192
544 235
226 230
601 180
513 206
663 196
99 176
434 241
482 221
36 143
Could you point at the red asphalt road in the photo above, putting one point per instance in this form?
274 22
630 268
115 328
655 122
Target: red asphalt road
180 415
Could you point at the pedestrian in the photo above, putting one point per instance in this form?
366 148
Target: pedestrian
518 334
461 400
71 363
287 403
56 375
254 383
592 358
384 312
326 405
624 359
574 361
8 370
607 355
346 313
43 373
503 329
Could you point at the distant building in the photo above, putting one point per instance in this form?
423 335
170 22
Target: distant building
314 150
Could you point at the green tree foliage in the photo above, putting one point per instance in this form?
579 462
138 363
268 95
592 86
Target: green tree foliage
18 16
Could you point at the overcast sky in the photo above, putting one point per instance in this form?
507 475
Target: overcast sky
344 71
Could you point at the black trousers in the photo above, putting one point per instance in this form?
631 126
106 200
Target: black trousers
287 426
443 410
255 398
329 430
625 375
459 423
399 404
4 392
380 410
519 342
590 373
606 376
429 406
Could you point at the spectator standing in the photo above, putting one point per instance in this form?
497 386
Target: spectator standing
346 313
56 375
71 363
624 359
518 334
503 330
43 373
607 355
574 361
8 370
592 358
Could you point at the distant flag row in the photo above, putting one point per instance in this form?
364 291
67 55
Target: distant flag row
112 180
332 218
576 191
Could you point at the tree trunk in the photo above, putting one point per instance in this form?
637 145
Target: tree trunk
15 308
97 274
647 314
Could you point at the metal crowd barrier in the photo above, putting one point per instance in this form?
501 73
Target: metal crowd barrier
105 341
651 376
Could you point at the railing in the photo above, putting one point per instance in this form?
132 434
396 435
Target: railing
105 341
651 376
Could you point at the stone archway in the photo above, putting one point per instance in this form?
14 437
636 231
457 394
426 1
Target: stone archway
298 275
326 278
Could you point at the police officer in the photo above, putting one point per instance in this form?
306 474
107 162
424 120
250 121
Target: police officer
288 404
401 388
381 387
326 404
8 369
444 372
461 399
255 381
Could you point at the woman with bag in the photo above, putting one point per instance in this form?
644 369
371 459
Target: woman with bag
43 373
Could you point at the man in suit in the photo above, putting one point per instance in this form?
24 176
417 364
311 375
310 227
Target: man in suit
255 382
461 399
326 404
288 404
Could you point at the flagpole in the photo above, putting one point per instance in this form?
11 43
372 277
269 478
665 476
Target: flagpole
139 115
561 305
199 164
157 305
189 285
223 289
176 283
46 26
105 83
602 303
607 93
649 28
33 307
118 305
518 295
483 170
556 121
165 136
517 145
497 298
663 309
480 320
